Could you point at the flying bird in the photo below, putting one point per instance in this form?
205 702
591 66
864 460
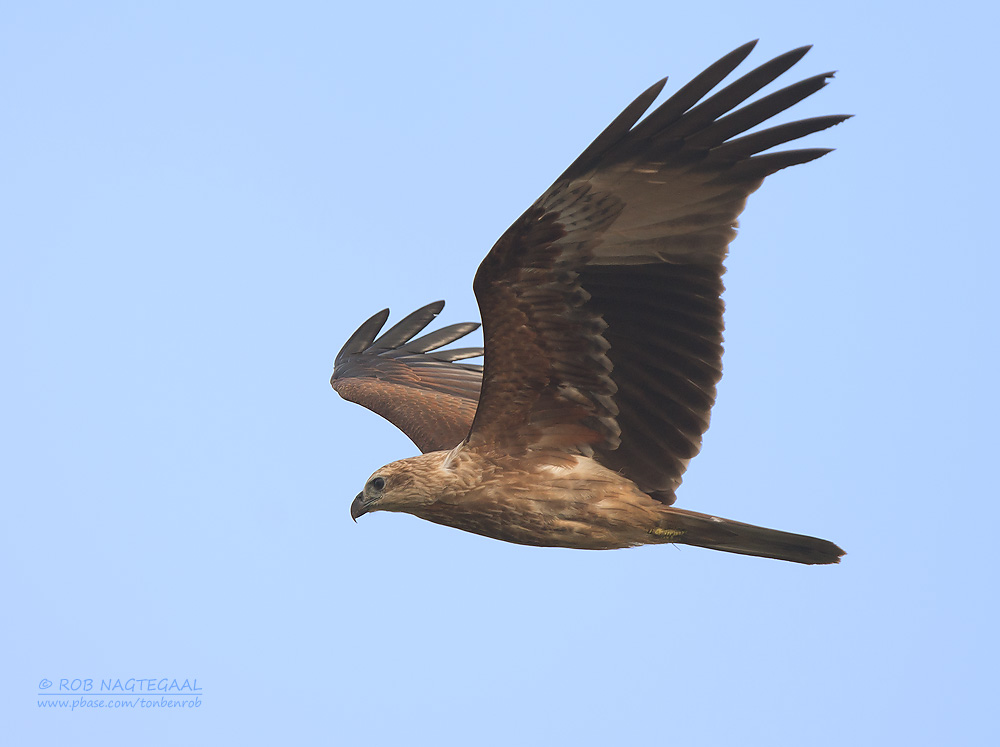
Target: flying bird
602 327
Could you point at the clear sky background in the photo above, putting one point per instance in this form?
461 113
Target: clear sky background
199 202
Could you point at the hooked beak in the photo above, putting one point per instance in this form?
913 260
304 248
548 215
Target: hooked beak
358 507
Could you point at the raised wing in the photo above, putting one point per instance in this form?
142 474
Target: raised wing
411 382
601 304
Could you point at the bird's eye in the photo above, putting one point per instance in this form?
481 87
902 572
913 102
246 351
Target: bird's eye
378 483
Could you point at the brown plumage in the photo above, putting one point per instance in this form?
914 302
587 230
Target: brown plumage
602 318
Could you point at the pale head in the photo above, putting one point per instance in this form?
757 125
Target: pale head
402 485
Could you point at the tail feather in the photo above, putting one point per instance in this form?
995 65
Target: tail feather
703 530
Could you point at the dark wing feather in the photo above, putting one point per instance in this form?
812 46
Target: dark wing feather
409 381
602 304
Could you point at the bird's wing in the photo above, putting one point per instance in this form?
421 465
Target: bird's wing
411 382
601 304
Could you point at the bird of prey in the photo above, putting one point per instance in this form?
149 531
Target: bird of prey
602 326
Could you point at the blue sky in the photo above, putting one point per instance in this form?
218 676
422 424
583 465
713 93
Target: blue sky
199 202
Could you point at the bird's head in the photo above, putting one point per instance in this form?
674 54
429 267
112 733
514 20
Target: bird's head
399 486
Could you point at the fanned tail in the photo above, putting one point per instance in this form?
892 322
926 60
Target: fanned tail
702 530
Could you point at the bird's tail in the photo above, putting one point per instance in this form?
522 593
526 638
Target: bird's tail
702 530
